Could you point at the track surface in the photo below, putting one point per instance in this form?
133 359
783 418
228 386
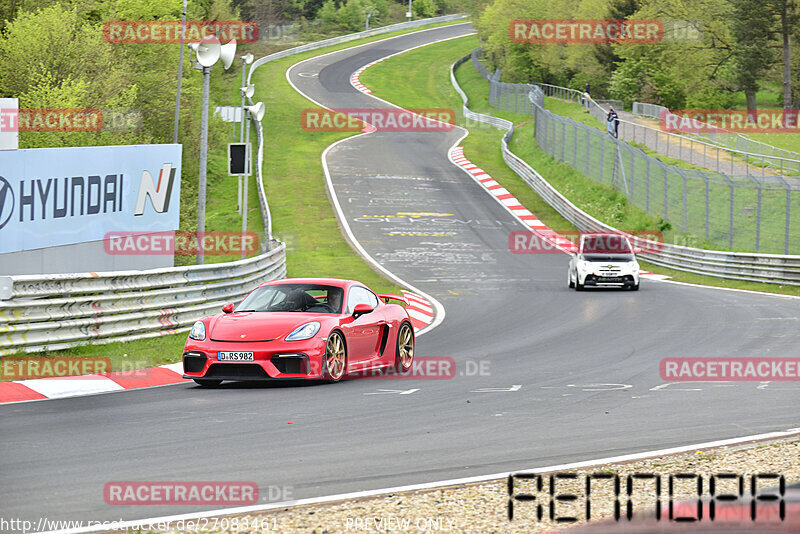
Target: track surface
512 312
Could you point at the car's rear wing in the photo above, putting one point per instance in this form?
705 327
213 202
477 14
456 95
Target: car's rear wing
387 297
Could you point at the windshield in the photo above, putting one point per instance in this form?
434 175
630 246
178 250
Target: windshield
609 245
607 257
309 298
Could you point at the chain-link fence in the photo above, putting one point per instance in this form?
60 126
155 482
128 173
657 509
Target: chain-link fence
735 211
755 153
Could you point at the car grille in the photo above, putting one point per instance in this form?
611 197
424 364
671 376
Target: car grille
594 279
290 364
193 362
612 270
236 371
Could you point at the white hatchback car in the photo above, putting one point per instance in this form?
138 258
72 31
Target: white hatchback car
604 260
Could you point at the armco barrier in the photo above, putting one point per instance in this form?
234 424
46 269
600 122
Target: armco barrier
351 37
770 268
53 312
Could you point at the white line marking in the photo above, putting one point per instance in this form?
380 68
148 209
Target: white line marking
419 316
515 387
393 391
440 311
59 388
431 485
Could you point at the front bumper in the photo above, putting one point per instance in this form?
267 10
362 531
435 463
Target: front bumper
271 360
619 280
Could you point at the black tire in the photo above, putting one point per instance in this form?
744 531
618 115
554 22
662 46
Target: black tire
634 287
570 283
404 348
334 361
207 382
578 286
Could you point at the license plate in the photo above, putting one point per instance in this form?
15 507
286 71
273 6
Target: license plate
235 356
608 274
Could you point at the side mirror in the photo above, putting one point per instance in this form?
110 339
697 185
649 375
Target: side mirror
361 309
637 250
228 308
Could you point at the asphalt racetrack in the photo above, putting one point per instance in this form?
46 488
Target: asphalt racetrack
545 375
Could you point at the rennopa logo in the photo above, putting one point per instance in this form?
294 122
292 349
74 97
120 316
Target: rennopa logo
6 201
159 197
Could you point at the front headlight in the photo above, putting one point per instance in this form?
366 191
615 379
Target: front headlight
306 331
198 331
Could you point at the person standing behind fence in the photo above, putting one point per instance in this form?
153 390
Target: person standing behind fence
586 97
613 122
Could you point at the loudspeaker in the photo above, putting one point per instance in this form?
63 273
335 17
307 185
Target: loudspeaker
249 90
248 58
207 50
257 111
228 53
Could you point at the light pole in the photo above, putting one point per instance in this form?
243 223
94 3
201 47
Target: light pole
208 52
257 112
246 60
409 11
246 90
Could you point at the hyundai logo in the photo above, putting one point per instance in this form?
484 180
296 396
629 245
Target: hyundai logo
6 201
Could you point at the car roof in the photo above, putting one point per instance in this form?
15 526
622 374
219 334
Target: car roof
338 282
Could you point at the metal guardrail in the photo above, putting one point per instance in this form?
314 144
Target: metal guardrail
58 311
350 37
644 109
770 268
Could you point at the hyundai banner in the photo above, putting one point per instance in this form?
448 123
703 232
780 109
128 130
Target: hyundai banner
62 196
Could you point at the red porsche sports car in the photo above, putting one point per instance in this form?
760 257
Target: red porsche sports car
315 328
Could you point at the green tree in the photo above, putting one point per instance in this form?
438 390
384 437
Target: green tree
691 67
788 16
327 13
423 8
751 27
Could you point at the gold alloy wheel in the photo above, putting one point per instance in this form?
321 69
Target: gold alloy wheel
335 357
405 347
